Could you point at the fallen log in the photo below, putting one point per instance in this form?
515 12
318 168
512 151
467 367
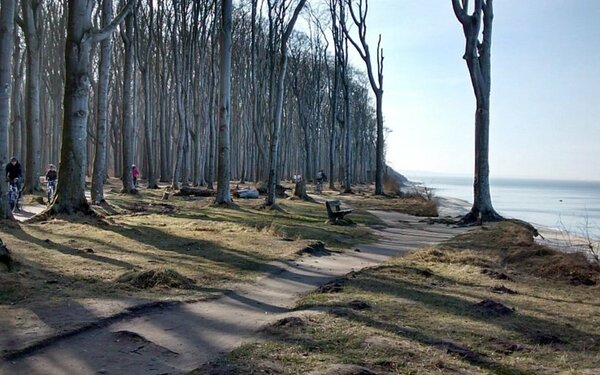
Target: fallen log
188 191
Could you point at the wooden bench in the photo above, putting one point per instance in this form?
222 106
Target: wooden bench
334 212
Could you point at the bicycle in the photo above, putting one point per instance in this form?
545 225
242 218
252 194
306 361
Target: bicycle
13 195
51 190
318 186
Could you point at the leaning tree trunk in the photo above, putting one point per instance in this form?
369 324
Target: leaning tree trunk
7 10
278 115
224 166
99 171
478 58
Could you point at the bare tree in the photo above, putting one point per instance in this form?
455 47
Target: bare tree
127 35
144 23
70 193
478 58
7 11
99 171
280 88
359 16
31 25
224 166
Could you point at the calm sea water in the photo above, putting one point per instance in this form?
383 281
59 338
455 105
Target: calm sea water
556 204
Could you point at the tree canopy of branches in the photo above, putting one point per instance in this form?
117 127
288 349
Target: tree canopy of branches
155 95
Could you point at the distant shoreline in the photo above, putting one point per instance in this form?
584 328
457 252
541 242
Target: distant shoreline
557 239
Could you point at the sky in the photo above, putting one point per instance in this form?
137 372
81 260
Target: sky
545 101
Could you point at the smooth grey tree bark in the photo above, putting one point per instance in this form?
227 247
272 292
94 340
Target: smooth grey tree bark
70 192
7 12
478 58
127 35
143 58
278 110
224 166
32 29
99 170
359 16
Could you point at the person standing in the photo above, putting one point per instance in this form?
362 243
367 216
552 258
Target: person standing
135 173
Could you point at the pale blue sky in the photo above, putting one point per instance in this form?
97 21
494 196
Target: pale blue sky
545 108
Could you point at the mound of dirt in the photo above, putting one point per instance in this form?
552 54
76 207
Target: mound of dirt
332 287
165 278
543 338
495 274
343 369
150 208
359 305
316 249
289 322
501 289
544 262
489 307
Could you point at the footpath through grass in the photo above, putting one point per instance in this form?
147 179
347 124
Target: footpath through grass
489 301
201 245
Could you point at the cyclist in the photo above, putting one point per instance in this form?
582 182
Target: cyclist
321 177
51 179
14 173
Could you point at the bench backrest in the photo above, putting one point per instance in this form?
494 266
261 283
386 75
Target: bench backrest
333 205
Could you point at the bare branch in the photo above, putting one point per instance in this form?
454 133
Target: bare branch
105 32
460 11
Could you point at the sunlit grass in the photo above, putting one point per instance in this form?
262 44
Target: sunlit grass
422 317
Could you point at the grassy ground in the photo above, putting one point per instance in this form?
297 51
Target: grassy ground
204 246
490 301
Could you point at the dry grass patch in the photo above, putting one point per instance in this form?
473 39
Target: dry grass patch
435 311
412 205
81 257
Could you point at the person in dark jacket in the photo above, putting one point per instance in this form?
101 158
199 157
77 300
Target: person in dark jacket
51 178
51 175
14 172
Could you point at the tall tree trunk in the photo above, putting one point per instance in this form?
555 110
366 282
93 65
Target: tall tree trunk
7 14
149 136
478 58
31 17
212 128
99 171
128 105
278 110
347 133
224 169
380 147
70 192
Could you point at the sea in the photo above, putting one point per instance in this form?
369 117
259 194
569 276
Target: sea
571 206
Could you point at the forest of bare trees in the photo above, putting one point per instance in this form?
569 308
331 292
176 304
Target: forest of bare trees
95 86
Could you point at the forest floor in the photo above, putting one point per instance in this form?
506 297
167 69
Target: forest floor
164 286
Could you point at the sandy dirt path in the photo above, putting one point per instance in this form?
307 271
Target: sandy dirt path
177 338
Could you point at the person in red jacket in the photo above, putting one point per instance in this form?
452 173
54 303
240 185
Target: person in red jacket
135 173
